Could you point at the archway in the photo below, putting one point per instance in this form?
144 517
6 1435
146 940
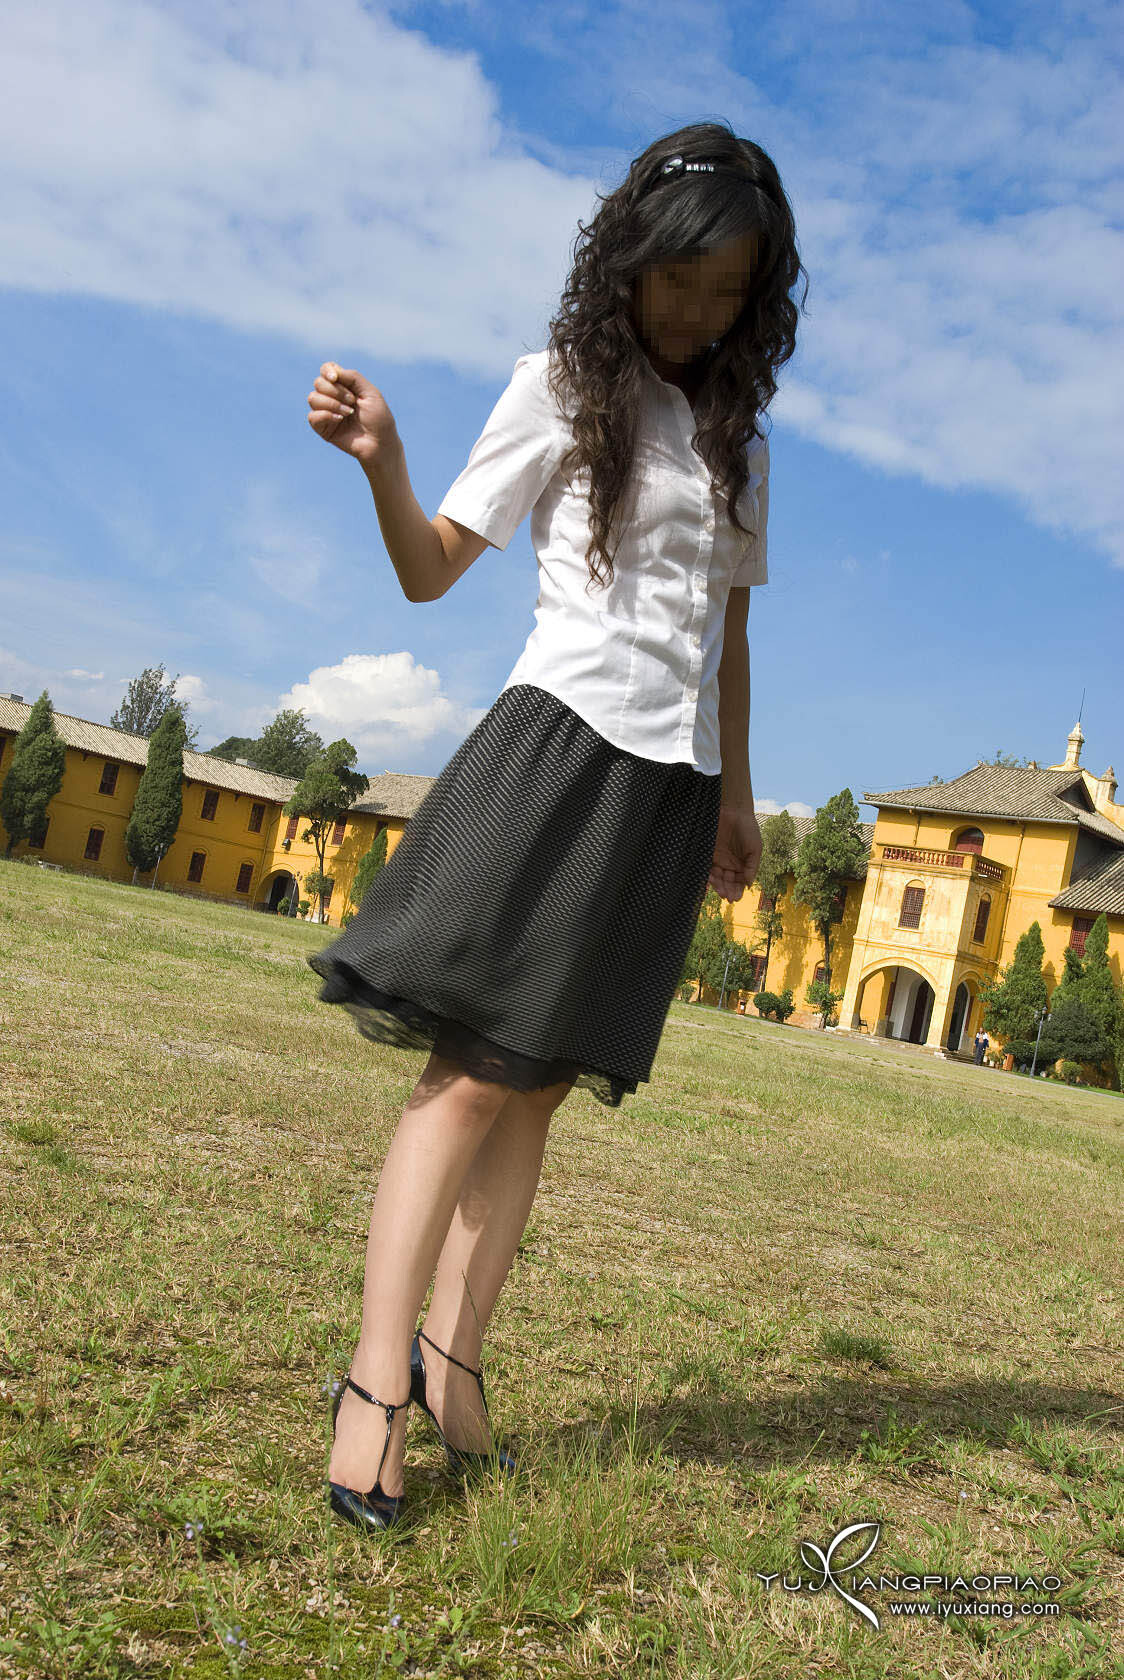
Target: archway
894 1001
961 1004
283 885
923 999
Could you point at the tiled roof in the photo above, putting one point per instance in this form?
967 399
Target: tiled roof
389 795
1100 888
1006 790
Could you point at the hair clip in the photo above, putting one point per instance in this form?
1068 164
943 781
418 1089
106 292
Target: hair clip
676 166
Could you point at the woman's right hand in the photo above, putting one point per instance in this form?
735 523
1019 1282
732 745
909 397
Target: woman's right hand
364 433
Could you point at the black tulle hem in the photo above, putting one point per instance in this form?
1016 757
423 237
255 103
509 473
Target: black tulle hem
384 1018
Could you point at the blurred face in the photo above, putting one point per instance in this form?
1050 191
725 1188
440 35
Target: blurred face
683 306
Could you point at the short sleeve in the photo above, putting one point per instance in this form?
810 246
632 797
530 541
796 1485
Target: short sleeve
513 459
753 568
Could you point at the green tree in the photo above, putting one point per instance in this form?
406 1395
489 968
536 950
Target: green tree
155 818
1071 1032
368 867
326 793
828 858
1091 1022
34 776
824 1001
1013 1001
285 747
708 940
147 700
731 969
778 861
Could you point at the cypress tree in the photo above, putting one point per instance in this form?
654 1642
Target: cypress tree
830 855
34 776
1102 1000
1012 1002
708 940
778 861
368 867
155 818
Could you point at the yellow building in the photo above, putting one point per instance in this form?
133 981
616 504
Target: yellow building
956 871
233 843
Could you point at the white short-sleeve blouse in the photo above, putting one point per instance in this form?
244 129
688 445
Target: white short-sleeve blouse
638 660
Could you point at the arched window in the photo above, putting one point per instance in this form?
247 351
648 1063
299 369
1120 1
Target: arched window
969 840
983 911
912 899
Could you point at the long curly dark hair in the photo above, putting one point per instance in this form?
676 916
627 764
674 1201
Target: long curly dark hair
595 352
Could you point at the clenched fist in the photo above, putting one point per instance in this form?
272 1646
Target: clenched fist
347 410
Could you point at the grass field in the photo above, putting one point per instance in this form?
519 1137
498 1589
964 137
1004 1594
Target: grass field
797 1282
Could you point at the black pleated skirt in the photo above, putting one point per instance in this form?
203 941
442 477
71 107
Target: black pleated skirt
533 921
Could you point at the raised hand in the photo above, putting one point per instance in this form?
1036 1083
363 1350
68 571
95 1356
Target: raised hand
347 410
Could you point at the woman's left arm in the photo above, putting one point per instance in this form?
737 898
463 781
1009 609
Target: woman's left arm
737 851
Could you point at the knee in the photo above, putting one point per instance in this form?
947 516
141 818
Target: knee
542 1103
474 1101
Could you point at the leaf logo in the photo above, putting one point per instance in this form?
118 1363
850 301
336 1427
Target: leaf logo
811 1554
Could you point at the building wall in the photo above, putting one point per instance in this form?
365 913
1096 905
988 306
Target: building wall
241 849
229 846
1037 859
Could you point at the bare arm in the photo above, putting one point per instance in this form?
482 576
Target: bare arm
733 702
429 555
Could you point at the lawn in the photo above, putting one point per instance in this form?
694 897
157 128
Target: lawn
798 1282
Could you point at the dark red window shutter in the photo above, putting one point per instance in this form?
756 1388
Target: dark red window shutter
912 900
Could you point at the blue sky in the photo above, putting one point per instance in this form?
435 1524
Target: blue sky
204 200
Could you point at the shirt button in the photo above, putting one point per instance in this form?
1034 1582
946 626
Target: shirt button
692 694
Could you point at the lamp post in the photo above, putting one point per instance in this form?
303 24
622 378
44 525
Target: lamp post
730 949
1041 1016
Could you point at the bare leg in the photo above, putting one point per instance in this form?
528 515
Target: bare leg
491 1214
438 1136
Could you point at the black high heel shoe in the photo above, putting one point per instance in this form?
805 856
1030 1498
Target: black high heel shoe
366 1510
461 1460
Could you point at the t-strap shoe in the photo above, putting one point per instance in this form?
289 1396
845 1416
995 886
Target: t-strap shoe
461 1460
375 1509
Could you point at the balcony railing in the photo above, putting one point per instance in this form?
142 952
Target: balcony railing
933 858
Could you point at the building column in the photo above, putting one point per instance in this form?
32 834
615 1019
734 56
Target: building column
884 982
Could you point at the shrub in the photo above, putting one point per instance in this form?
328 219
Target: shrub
774 1007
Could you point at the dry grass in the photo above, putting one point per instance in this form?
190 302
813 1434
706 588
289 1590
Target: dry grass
796 1282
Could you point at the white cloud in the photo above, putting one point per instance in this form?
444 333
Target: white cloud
770 808
327 174
318 172
384 703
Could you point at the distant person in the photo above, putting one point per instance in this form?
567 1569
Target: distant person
981 1042
531 926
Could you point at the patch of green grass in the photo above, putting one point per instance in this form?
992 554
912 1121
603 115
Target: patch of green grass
798 1282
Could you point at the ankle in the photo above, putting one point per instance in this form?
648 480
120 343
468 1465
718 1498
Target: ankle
374 1370
451 1345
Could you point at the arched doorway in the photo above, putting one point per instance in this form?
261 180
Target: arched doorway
923 998
283 885
894 1001
961 1004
